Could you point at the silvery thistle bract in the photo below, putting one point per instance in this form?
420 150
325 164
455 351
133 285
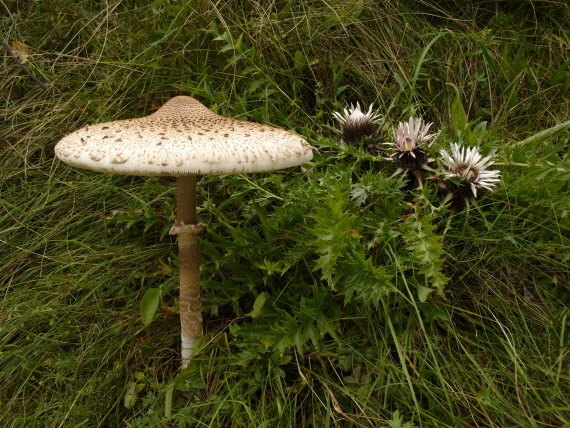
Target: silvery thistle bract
408 153
357 125
466 165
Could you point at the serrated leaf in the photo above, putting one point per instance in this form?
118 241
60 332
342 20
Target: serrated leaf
359 194
426 249
362 280
438 281
226 48
423 243
149 305
315 317
285 335
432 268
334 228
239 43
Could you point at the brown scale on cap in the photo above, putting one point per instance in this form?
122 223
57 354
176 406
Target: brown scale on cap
193 140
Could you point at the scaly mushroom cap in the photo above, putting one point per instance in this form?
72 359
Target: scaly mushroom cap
182 137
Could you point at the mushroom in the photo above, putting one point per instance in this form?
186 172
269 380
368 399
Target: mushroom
183 138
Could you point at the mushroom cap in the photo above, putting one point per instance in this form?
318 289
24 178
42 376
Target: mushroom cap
183 137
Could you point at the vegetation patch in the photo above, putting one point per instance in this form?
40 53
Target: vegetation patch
410 275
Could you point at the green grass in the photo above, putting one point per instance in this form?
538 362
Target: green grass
343 338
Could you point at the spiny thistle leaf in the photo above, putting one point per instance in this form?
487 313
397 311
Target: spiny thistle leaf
425 248
333 235
314 318
377 185
362 280
423 243
289 333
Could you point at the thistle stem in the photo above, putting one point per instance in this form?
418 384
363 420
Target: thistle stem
452 210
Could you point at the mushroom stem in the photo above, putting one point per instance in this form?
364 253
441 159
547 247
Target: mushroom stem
186 200
190 304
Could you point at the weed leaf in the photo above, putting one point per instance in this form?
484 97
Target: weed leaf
149 305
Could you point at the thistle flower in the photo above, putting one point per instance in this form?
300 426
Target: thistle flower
408 153
410 135
356 124
467 166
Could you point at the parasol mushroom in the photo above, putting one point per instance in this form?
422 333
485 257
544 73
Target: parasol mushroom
183 138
